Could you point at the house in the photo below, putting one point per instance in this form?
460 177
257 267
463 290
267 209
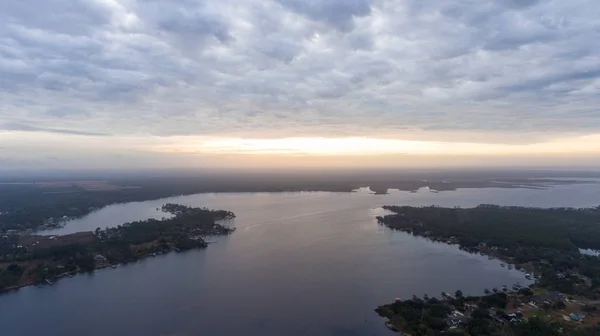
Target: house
457 313
577 316
457 321
471 306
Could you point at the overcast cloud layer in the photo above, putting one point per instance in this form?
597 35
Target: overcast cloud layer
272 68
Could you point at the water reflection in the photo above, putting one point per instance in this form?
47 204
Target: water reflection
299 263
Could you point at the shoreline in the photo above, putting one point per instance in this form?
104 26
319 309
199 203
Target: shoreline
409 185
543 243
34 259
55 278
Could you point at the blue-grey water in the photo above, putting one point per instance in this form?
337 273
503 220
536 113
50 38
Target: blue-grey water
306 263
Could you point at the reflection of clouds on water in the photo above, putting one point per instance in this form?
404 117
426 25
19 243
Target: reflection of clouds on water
261 208
316 257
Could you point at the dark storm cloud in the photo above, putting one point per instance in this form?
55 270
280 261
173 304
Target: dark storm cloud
300 67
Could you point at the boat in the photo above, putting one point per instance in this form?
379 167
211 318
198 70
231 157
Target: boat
48 281
113 266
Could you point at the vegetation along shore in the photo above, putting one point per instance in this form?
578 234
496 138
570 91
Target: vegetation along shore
27 259
546 242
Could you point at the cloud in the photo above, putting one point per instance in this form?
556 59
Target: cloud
30 128
69 17
337 13
506 71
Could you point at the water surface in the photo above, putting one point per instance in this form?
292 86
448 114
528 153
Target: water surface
307 263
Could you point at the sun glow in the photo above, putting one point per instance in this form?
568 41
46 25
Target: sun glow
317 146
238 152
361 146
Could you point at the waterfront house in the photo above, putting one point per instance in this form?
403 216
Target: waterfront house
577 316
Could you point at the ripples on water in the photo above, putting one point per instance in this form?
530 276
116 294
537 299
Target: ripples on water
309 263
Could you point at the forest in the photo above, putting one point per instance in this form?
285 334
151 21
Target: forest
550 239
555 228
184 230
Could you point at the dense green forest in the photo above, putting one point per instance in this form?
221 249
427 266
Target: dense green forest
556 228
548 238
184 230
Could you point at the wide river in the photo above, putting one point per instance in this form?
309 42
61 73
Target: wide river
306 263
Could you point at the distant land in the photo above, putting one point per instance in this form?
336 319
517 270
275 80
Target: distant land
564 300
27 259
37 202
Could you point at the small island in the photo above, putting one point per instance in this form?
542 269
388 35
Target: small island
27 259
547 243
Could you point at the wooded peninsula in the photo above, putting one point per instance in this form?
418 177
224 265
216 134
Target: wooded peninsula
549 243
29 259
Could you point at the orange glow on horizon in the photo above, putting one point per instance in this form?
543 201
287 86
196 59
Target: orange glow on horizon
364 146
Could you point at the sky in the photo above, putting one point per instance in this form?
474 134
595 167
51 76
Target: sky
253 83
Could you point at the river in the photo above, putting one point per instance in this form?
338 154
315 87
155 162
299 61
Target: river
304 263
